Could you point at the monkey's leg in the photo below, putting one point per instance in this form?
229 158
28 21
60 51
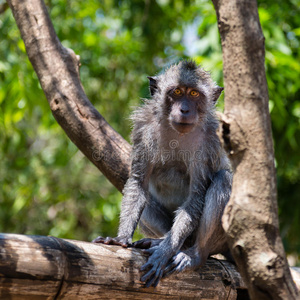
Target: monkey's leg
155 222
210 236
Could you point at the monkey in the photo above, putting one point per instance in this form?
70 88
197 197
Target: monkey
180 178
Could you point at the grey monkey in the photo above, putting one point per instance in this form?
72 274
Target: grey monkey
180 179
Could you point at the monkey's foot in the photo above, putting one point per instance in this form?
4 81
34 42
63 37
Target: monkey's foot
155 265
146 243
118 241
183 260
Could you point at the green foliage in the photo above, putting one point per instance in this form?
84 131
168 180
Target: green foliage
281 27
49 187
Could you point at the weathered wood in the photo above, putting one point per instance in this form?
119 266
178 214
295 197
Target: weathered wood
38 267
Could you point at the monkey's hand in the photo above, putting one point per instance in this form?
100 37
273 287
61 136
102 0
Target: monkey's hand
183 260
159 258
118 241
146 243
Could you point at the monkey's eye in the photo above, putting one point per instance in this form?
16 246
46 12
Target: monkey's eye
177 92
194 93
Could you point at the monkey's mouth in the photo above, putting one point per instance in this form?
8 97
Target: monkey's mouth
182 127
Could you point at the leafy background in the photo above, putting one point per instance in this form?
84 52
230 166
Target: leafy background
48 186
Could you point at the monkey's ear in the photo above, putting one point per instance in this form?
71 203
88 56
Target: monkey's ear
216 93
152 85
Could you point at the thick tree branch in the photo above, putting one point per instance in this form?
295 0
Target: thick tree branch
37 267
250 218
58 71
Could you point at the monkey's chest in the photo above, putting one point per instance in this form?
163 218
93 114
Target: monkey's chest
169 185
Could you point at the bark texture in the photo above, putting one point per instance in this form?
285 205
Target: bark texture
37 267
58 72
251 218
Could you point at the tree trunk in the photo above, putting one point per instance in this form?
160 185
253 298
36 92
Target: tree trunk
37 267
250 219
58 72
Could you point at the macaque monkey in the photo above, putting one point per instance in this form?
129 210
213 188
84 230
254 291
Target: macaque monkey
180 179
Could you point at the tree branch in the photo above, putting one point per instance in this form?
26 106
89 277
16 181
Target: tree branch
58 71
250 218
37 267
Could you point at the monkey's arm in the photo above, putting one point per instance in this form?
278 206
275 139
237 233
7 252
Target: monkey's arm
134 200
133 203
211 237
186 221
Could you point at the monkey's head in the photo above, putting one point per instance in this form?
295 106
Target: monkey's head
187 95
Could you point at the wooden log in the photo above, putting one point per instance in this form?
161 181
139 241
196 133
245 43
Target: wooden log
39 267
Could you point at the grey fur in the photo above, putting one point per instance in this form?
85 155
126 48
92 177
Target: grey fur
179 182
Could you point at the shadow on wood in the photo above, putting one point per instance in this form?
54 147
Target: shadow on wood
39 267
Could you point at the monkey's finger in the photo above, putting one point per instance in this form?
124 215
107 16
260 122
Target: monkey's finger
170 269
147 251
146 277
159 274
150 251
142 244
146 266
177 265
119 242
108 241
150 281
154 279
98 239
116 241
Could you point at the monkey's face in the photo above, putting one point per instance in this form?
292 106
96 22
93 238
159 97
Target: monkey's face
186 106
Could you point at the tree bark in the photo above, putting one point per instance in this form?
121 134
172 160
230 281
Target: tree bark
251 218
58 72
37 267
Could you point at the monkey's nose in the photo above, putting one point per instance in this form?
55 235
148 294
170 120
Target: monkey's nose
184 111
